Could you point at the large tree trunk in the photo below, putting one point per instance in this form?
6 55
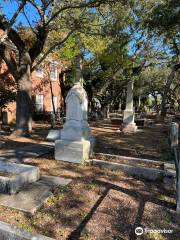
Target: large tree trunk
166 92
23 101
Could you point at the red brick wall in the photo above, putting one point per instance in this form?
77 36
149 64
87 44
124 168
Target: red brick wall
7 82
40 86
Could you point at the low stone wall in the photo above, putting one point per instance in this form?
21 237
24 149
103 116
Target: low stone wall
143 172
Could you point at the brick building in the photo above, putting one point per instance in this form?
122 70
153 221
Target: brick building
46 85
46 88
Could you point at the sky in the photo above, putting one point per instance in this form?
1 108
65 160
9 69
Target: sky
9 8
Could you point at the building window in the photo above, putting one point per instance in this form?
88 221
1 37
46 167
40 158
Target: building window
55 104
40 71
53 71
39 103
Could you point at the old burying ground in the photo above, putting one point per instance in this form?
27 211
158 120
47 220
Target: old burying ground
101 204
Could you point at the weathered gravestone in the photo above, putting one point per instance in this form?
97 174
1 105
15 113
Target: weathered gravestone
21 186
75 144
128 118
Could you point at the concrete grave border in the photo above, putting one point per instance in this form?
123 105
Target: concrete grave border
34 195
146 173
132 159
21 175
11 232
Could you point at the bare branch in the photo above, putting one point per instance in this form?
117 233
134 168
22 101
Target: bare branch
29 23
51 49
7 25
13 19
12 35
91 3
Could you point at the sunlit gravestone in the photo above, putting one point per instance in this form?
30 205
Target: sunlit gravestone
75 144
128 119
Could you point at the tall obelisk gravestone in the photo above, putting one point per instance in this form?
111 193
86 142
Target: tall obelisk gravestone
128 118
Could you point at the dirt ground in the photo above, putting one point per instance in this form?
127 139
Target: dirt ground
147 142
98 204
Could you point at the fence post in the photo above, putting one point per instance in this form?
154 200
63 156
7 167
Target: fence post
174 135
178 190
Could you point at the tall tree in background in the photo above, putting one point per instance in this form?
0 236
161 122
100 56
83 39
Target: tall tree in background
42 22
162 19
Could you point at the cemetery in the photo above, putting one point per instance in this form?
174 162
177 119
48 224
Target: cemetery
95 171
89 120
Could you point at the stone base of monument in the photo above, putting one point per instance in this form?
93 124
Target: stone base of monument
74 133
128 116
14 176
129 128
72 151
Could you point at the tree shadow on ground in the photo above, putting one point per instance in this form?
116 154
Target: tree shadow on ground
142 199
150 142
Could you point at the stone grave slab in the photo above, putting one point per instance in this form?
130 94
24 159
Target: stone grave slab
34 195
14 176
10 232
53 181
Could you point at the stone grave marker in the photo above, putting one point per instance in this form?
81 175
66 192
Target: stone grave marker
75 144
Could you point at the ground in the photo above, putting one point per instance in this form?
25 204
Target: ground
148 142
100 204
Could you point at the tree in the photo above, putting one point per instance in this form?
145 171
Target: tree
162 19
104 45
23 59
151 82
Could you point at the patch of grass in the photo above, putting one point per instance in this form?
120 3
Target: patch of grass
167 198
86 236
91 186
156 236
25 226
166 217
58 195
